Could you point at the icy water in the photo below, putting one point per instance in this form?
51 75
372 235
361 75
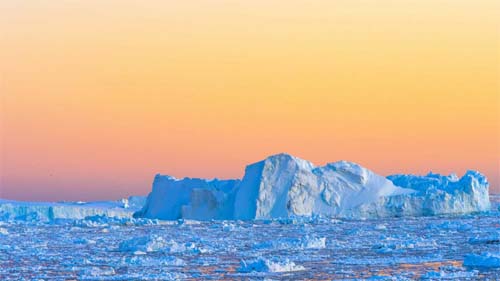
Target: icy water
320 249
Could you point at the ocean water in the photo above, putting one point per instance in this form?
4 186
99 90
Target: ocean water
425 248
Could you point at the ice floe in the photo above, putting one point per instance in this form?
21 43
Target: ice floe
483 260
267 265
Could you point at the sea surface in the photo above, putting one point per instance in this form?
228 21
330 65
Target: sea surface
97 248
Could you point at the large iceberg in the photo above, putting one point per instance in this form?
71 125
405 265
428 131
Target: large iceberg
284 186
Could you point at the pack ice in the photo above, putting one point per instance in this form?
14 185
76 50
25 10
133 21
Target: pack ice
284 186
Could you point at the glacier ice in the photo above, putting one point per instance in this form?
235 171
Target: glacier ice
284 186
50 211
172 198
437 194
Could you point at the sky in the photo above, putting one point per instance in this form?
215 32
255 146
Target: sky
96 97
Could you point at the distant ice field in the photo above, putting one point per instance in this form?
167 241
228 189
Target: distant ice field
101 248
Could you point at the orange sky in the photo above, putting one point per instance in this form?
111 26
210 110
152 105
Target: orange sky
98 96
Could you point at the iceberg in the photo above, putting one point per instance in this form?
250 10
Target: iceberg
284 186
50 211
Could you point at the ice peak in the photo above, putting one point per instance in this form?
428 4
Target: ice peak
346 165
165 177
286 160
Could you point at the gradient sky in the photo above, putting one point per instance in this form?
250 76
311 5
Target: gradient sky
98 96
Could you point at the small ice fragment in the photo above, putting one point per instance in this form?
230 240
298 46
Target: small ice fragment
483 260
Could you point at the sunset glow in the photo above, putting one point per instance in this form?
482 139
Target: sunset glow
99 96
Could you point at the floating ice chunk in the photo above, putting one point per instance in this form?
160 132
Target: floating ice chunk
226 226
175 247
450 225
483 260
83 241
3 231
313 242
444 275
486 238
306 242
144 244
156 243
382 277
266 265
390 244
156 261
97 272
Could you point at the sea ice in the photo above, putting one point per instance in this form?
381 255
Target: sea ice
487 238
341 249
143 244
444 275
306 242
490 260
266 265
156 243
3 231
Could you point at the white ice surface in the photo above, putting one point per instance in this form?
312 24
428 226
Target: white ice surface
49 211
284 186
268 265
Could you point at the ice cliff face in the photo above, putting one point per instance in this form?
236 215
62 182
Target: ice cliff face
283 186
202 199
